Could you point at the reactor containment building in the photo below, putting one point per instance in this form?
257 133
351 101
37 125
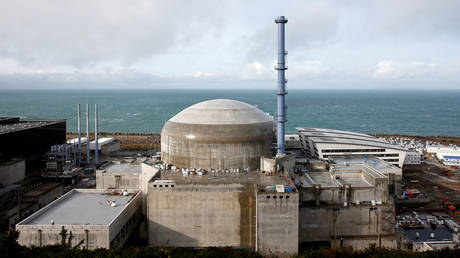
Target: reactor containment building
217 134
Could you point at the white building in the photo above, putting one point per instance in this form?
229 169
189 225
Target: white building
105 145
451 160
323 143
449 155
413 158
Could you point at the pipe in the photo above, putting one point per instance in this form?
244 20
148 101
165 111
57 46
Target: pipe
281 68
87 135
96 145
79 136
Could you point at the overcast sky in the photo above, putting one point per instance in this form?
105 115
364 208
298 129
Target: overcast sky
413 44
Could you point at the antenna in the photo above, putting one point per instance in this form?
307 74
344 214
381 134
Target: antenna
96 149
79 134
87 135
281 68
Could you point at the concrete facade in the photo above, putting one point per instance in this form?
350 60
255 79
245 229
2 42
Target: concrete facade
277 223
127 176
347 205
44 227
285 163
201 214
356 226
132 175
42 195
217 134
12 171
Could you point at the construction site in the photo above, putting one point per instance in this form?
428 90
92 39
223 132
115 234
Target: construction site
223 173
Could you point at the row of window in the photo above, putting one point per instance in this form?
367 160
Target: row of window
160 186
281 197
377 155
354 150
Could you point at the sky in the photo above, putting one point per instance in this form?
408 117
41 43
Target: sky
116 44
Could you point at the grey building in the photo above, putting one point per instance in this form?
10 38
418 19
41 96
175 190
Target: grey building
101 219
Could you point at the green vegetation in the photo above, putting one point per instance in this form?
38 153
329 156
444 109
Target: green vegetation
10 248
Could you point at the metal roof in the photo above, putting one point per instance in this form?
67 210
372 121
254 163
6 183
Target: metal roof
321 135
9 128
221 112
451 157
75 140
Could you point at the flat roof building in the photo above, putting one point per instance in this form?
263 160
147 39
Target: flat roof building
108 219
326 143
345 206
227 208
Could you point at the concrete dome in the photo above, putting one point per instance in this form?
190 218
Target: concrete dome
221 112
218 134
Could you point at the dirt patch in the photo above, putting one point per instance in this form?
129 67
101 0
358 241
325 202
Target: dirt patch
130 141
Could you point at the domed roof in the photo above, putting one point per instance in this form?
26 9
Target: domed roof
221 112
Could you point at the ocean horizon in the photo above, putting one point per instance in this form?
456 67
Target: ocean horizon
406 112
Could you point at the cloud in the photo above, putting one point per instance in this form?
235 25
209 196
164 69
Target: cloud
80 33
117 43
308 69
389 69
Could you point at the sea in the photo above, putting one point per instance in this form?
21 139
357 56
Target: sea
406 112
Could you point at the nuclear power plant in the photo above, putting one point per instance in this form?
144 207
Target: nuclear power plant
227 175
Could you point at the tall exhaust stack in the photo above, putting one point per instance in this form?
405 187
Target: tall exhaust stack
79 135
96 147
87 134
281 92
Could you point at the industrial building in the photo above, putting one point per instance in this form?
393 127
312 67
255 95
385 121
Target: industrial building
22 144
29 139
448 155
346 205
105 145
217 134
423 231
224 179
101 219
413 158
325 143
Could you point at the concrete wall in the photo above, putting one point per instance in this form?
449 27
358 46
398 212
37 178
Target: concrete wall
12 172
43 195
277 223
355 226
110 147
148 172
123 225
339 195
215 146
93 236
106 180
201 214
285 163
41 235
